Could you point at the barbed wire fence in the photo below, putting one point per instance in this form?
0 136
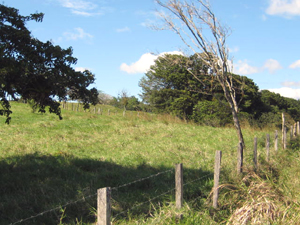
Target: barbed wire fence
263 142
260 140
94 195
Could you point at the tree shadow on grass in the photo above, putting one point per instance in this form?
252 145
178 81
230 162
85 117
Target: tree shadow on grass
35 183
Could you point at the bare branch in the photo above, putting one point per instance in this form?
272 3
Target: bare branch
191 20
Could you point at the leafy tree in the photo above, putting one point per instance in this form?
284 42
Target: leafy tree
132 103
274 104
123 98
170 87
212 113
35 70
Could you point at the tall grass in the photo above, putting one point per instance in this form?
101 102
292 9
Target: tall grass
46 163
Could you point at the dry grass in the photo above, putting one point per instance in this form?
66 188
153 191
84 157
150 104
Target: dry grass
262 203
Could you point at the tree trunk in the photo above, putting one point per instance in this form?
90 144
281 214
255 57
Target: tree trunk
235 117
237 126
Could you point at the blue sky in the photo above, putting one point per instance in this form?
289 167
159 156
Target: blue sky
113 40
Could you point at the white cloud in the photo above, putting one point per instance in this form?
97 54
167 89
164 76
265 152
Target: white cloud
144 63
287 92
78 4
243 68
235 49
286 8
85 7
295 65
124 29
78 34
83 13
81 69
272 65
148 23
290 84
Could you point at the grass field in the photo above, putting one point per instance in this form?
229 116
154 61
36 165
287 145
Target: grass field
46 163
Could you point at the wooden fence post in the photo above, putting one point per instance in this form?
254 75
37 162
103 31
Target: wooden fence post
283 129
240 157
295 130
268 147
103 206
276 141
255 154
217 178
179 185
298 128
284 138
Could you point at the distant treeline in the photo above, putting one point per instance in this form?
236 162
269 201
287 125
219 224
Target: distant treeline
169 87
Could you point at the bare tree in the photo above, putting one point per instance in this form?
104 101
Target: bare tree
199 29
124 97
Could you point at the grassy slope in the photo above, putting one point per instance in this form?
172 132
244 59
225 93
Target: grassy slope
45 163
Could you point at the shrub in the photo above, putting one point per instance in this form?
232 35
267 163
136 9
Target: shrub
212 113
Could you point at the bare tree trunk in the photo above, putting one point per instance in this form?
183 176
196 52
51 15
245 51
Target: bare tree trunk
237 126
235 117
188 19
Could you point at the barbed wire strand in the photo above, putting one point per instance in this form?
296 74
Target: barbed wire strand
197 179
142 179
140 204
114 188
86 197
54 209
170 190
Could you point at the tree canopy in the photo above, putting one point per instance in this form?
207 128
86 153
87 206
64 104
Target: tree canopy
170 87
36 70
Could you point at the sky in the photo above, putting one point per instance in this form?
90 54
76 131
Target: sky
114 39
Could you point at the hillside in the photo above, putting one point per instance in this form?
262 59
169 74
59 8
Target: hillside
51 169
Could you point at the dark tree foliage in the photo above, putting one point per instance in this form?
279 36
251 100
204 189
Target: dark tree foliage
274 104
170 86
38 71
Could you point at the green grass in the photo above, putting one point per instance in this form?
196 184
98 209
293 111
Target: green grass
46 163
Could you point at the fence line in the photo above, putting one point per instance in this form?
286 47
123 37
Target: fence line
102 219
54 209
170 190
148 201
179 172
114 188
87 197
142 179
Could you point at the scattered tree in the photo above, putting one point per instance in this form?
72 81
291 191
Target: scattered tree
123 98
104 98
